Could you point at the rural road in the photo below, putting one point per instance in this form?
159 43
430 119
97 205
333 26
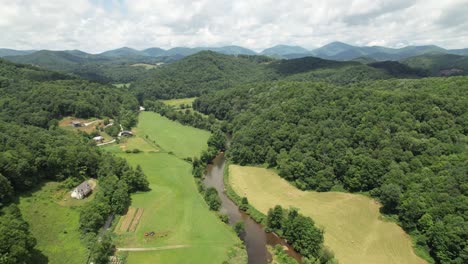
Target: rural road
102 144
154 248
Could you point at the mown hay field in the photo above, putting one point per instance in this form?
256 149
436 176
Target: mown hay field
353 226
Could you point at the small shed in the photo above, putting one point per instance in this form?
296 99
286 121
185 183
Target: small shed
81 191
98 139
126 133
76 123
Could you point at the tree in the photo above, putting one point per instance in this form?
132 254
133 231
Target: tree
390 197
244 205
120 200
212 198
239 227
102 250
217 140
6 191
275 218
16 242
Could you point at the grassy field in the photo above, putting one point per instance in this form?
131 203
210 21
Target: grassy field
173 209
353 226
183 141
53 218
177 102
145 65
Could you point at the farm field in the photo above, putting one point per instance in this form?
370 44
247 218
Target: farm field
352 224
178 102
173 209
170 136
53 219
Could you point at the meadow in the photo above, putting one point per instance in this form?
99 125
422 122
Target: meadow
353 226
173 209
178 102
170 136
53 220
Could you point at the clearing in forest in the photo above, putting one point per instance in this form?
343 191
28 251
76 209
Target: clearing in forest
170 136
53 218
173 208
352 222
178 102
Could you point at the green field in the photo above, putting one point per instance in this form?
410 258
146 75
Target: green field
173 208
353 226
178 102
54 223
170 136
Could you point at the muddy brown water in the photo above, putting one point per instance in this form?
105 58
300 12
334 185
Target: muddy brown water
254 237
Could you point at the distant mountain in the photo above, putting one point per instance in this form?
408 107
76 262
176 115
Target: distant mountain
114 68
154 52
123 52
11 52
232 50
463 52
343 51
56 60
440 64
333 49
283 50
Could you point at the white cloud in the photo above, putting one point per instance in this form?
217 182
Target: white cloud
97 25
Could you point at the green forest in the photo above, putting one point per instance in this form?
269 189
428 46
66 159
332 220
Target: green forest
401 141
209 71
33 150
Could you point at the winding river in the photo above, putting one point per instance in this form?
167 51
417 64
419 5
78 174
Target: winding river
254 237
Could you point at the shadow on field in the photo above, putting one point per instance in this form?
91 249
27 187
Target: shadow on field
38 257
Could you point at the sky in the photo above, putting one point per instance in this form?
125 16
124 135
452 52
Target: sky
99 25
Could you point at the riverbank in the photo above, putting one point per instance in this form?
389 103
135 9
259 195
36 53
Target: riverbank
352 223
255 238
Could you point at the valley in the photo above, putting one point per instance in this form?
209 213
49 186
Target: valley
337 154
173 209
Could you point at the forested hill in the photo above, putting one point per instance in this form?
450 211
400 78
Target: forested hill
33 149
403 141
89 66
200 73
440 64
210 71
29 95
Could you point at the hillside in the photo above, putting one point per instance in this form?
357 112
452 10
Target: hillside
116 69
198 74
440 64
12 52
401 141
210 71
284 50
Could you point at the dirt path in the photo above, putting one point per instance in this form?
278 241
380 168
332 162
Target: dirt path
154 248
105 143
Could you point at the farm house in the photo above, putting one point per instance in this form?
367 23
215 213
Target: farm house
81 191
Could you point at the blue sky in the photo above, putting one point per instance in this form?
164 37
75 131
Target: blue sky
98 25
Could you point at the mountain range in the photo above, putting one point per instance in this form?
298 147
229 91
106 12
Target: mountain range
332 51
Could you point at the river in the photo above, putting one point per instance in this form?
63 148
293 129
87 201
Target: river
254 237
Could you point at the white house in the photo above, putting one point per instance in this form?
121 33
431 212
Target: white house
81 191
98 138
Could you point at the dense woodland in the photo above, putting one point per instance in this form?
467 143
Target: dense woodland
33 150
403 141
208 71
